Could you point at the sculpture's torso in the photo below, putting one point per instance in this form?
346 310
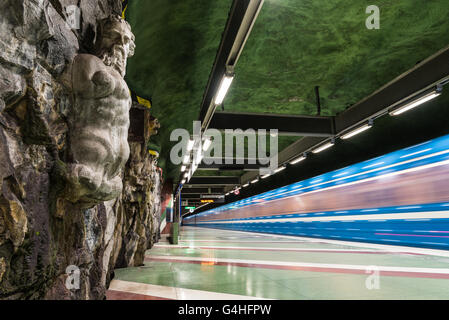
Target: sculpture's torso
99 125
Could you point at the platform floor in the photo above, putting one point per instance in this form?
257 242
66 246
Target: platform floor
213 264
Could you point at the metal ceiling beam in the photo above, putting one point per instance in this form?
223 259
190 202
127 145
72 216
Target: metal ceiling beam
190 197
229 167
427 73
241 19
292 125
289 153
213 181
194 190
231 164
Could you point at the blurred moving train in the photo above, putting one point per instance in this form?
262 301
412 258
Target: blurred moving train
401 198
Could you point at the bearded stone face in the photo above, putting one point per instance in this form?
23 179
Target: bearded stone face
117 45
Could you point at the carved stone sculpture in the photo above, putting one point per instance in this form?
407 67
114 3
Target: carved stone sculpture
99 118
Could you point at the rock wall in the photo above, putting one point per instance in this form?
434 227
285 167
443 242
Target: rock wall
140 207
46 242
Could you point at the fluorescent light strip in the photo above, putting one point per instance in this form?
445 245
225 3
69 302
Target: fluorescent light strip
207 144
299 159
266 176
415 103
199 157
255 180
186 159
279 169
183 181
224 87
356 131
323 147
245 185
190 144
183 168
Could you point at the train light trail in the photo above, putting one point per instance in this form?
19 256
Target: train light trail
416 101
357 131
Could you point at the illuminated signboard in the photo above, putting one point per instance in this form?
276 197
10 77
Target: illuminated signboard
212 198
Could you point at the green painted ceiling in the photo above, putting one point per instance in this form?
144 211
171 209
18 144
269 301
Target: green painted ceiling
294 46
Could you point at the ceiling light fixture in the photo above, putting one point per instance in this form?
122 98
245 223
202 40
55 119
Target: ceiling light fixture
255 180
183 168
324 147
417 100
279 169
360 129
245 185
224 87
207 144
297 160
186 159
190 144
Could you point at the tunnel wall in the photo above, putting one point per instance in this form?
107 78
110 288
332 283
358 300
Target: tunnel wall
401 198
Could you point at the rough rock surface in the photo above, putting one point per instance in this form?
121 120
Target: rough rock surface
140 207
41 234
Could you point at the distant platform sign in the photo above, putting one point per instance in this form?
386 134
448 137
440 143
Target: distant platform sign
212 198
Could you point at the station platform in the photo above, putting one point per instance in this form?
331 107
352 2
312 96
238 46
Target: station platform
211 264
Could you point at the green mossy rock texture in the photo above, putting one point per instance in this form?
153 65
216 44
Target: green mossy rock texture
294 46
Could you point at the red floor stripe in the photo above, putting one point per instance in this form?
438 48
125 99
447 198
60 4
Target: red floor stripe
311 269
122 295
